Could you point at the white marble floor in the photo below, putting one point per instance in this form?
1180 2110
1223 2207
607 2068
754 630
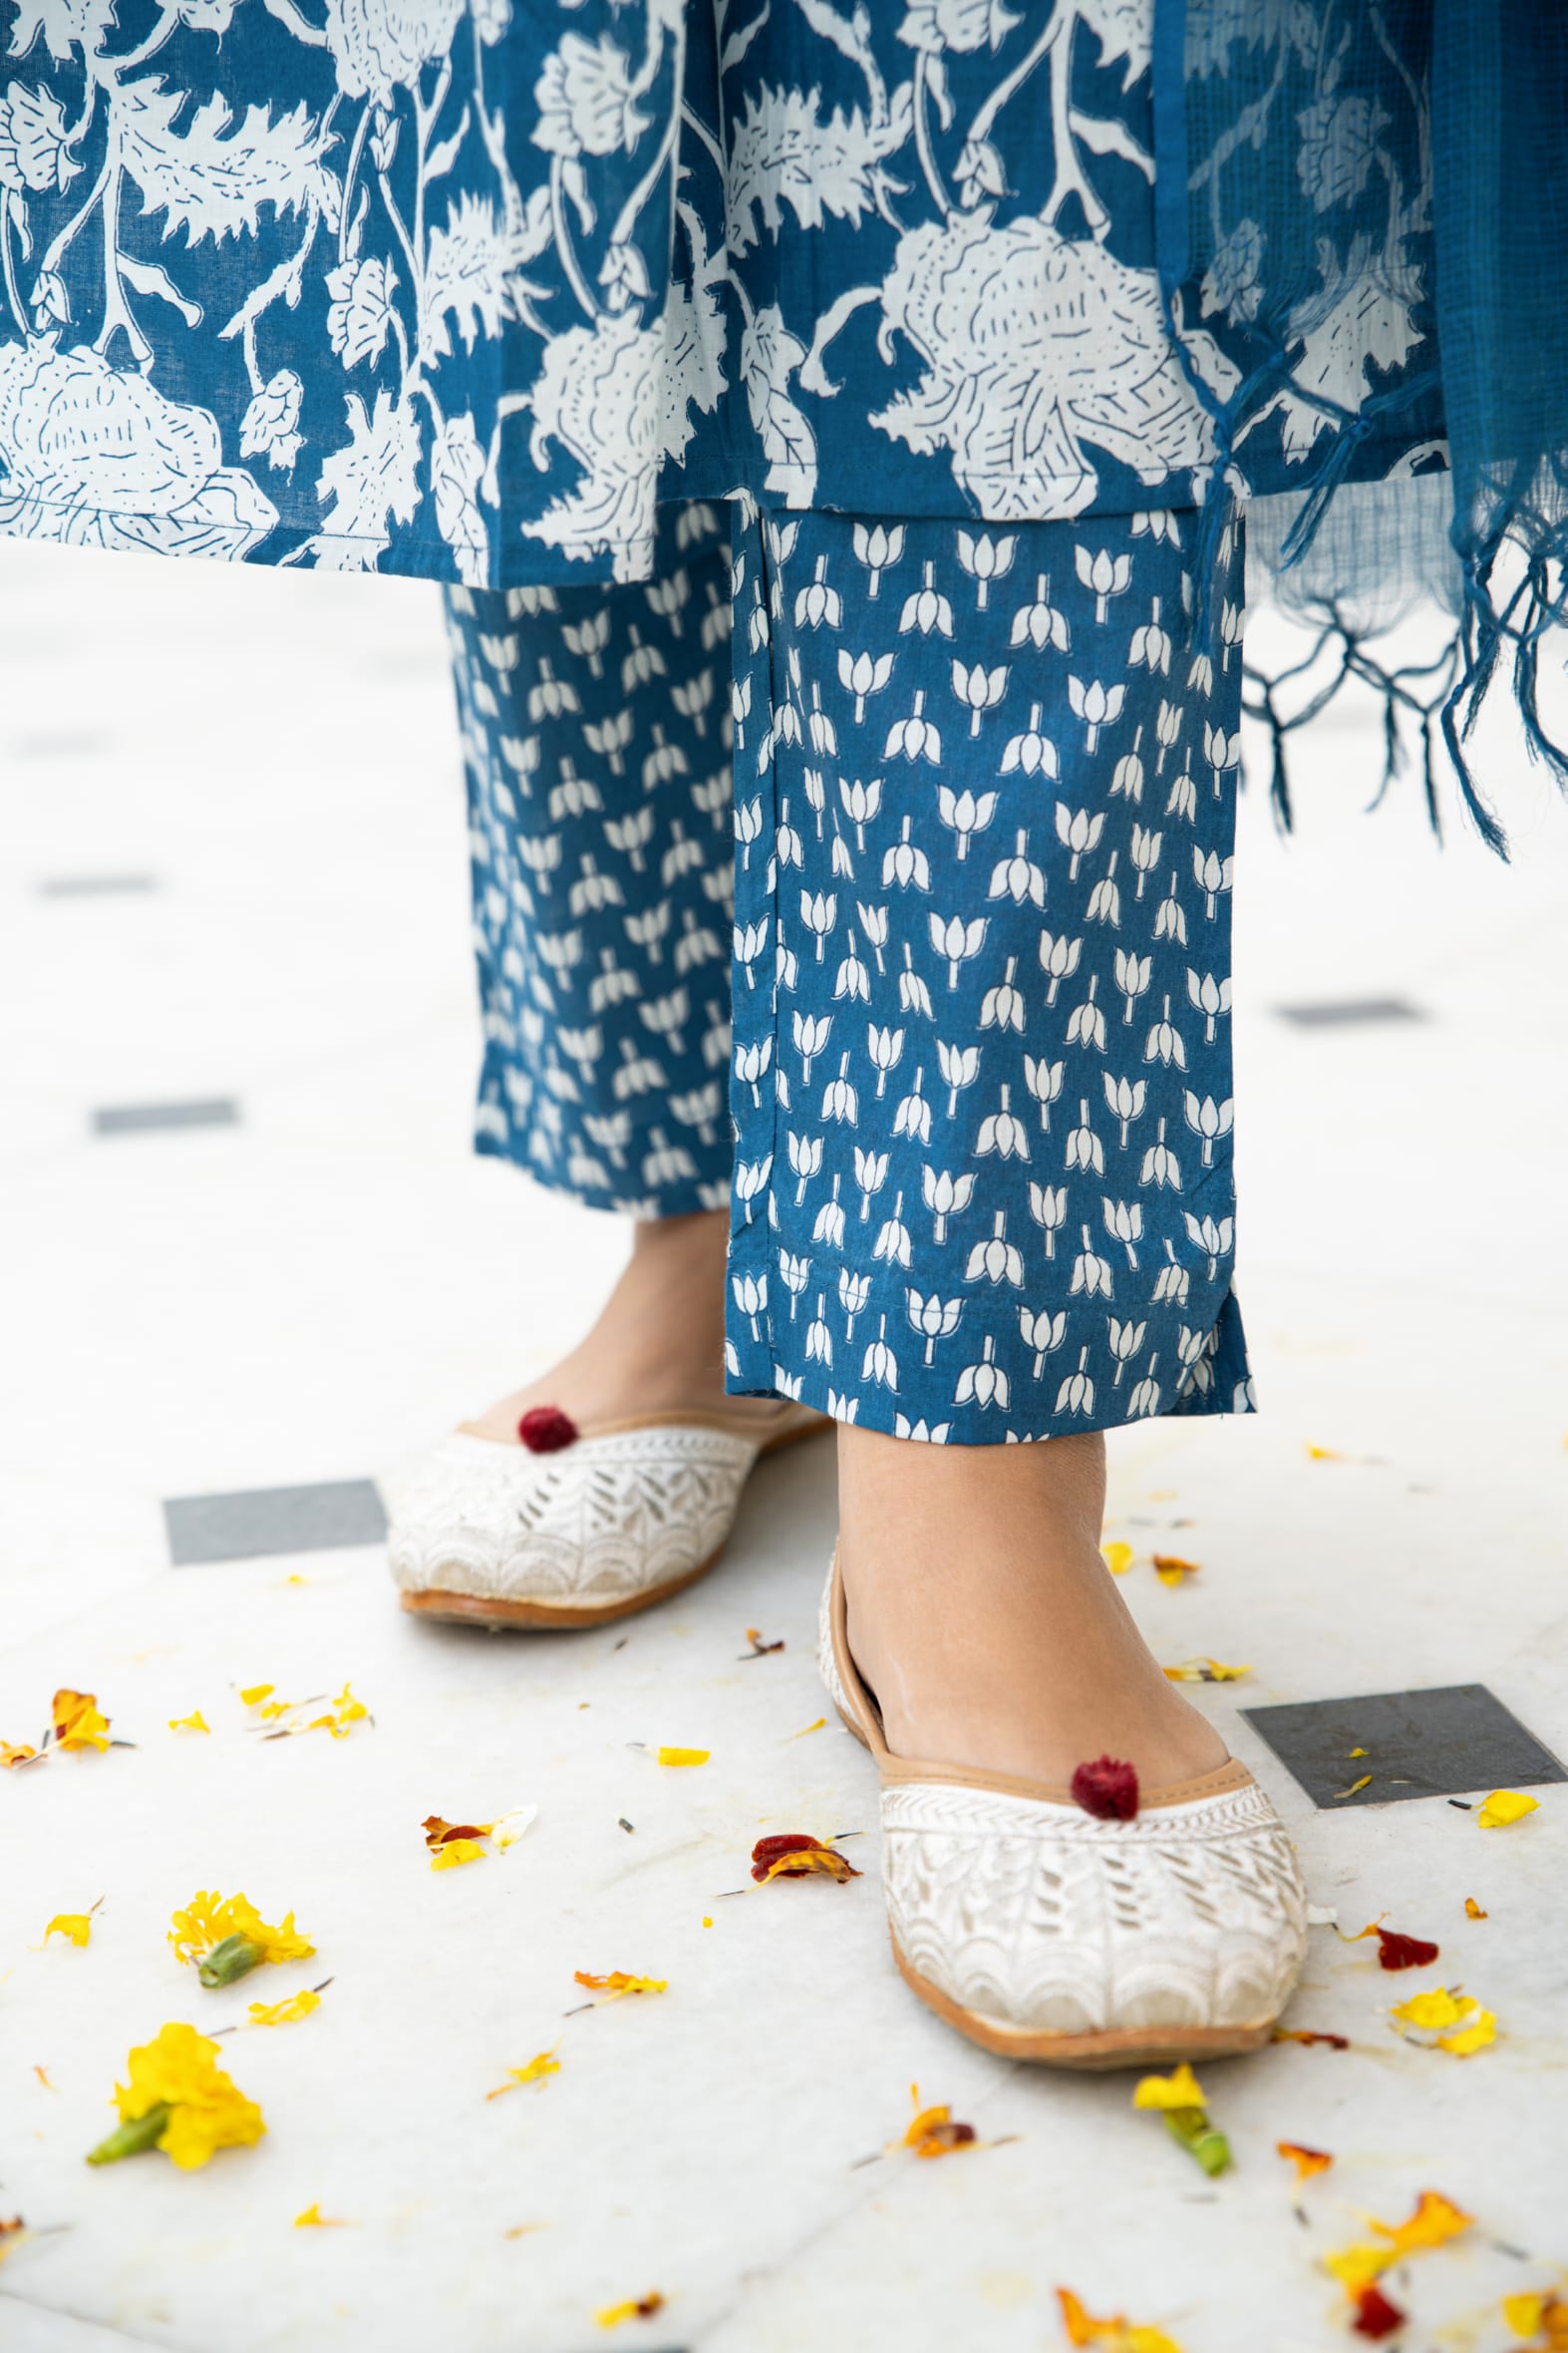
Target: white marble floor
304 1293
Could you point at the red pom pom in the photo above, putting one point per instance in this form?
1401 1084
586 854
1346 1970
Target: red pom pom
1108 1789
1374 2315
544 1430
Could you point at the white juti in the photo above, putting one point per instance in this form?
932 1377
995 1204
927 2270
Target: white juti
1043 1932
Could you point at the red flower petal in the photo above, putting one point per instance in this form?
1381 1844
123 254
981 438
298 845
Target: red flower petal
1374 2315
1403 1953
1108 1789
544 1430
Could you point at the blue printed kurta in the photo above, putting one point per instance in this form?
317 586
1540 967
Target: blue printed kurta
458 288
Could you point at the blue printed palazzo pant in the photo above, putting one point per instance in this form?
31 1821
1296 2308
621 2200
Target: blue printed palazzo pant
873 878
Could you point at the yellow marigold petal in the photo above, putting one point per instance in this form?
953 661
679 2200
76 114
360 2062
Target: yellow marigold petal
194 1722
456 1850
1433 2009
77 1927
1356 2267
1117 1557
1434 2220
1473 1911
252 1694
77 1721
1307 2161
1525 2313
1205 1670
805 1728
683 1756
314 2220
285 2013
542 2063
1180 2089
1504 1807
1481 2030
634 2308
284 1943
1324 1454
15 1753
1170 1568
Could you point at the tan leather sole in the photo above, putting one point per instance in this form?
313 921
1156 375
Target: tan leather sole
1092 2053
546 1617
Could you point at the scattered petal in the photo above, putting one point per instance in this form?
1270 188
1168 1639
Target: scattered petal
1355 1752
542 2063
1473 1911
16 1753
1433 2222
1324 1454
509 1828
1205 1670
457 1852
805 1728
439 1833
1543 2313
1355 1786
683 1756
1504 1807
1108 1789
1170 1568
211 1921
1309 2034
252 1694
9 2231
759 1648
933 2132
1457 2022
314 2220
1396 1951
1117 2335
794 1854
1117 1557
42 2074
1179 2089
77 1927
179 2100
285 2013
635 2308
77 1722
1374 2315
194 1722
1307 2161
619 1981
544 1430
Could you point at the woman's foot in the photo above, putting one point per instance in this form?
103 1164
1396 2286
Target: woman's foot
985 1620
657 1345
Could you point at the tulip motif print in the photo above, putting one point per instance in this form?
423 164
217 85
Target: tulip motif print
1061 1246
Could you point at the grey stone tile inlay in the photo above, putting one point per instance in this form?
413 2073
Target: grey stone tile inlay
130 1119
272 1519
95 886
1418 1744
1343 1012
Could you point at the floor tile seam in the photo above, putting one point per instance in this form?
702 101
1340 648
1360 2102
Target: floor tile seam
11 2296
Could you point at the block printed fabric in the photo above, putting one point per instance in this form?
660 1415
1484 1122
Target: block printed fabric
980 1071
460 287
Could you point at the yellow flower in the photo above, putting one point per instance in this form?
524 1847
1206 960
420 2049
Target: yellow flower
1205 1670
285 2013
456 1850
77 1722
542 2063
1434 2222
1180 2089
1504 1807
182 2101
1116 2334
194 1722
228 1936
683 1756
1457 2021
634 2308
76 1926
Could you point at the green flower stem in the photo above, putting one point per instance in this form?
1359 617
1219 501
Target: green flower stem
1200 2139
235 1957
130 2140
